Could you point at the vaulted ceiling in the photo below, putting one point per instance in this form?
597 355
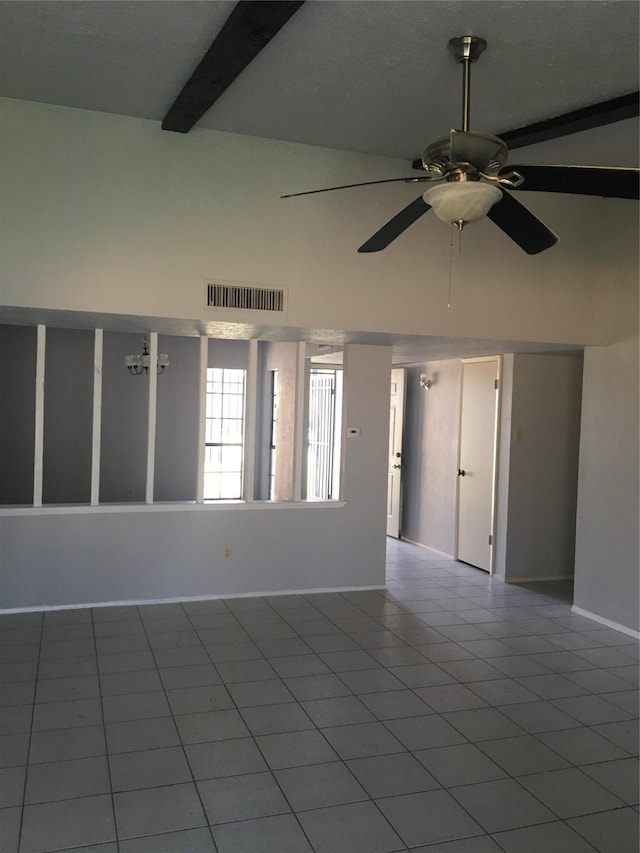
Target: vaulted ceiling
371 76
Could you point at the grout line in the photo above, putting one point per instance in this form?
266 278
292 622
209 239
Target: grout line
104 735
30 735
257 746
177 728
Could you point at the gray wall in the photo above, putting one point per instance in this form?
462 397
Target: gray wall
68 407
124 417
430 453
83 555
68 402
503 461
17 413
125 399
606 576
230 354
540 483
537 476
176 457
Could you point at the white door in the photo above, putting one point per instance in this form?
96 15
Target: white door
394 488
476 466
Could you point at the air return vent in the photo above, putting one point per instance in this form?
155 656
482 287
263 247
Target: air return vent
245 297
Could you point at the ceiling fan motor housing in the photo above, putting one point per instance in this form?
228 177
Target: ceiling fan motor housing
468 153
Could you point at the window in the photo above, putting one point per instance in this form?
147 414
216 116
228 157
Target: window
272 443
224 434
323 452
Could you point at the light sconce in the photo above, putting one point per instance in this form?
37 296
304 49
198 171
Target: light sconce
425 383
139 364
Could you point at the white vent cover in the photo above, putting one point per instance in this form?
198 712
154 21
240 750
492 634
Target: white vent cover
245 297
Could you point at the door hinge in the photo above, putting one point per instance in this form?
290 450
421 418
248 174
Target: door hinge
496 384
490 539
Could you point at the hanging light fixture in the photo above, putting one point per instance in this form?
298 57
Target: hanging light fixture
460 202
139 364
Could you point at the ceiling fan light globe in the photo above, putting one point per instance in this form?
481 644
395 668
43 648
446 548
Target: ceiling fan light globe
462 201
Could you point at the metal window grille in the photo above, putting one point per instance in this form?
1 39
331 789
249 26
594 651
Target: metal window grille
224 433
272 445
321 478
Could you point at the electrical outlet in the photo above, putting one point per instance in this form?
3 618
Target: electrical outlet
227 552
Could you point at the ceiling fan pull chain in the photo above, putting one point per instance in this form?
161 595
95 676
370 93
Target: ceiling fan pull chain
454 228
451 263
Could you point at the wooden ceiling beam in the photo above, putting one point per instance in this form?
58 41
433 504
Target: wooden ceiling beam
586 118
249 28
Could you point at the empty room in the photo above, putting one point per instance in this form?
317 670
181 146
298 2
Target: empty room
319 397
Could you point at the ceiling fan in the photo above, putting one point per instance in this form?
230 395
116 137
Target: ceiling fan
470 179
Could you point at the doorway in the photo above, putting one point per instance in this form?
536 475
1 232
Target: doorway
396 426
477 451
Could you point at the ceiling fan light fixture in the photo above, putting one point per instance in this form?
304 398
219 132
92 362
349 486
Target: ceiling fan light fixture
462 201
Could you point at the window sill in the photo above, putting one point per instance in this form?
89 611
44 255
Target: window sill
167 506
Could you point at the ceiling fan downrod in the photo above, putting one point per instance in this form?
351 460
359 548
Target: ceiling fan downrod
466 50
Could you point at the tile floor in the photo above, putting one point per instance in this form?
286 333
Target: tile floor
451 713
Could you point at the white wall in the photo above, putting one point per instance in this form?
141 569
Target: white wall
363 477
106 213
138 555
88 555
606 576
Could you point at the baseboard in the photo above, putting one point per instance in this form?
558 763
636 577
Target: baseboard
607 622
181 600
538 579
426 547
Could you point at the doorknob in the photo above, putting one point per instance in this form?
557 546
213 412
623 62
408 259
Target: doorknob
397 466
461 472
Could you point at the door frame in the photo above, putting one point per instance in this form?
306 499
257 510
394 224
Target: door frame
402 370
496 447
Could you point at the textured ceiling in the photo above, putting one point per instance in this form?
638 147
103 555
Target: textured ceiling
374 76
